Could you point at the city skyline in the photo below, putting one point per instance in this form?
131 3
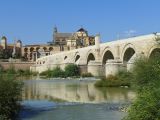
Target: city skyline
33 21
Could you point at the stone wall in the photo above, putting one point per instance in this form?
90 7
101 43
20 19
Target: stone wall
17 65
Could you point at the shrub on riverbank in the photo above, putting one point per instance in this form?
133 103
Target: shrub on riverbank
86 75
56 72
71 70
26 72
147 83
10 96
120 79
11 71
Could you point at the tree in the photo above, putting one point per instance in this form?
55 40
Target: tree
72 70
147 83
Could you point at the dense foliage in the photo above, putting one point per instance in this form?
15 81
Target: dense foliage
10 96
147 83
86 75
71 70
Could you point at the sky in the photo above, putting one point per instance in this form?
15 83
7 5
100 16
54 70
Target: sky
32 21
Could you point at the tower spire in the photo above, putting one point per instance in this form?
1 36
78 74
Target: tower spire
55 29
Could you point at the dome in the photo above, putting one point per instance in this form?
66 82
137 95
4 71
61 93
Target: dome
81 30
19 41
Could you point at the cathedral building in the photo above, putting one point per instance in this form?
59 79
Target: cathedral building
61 42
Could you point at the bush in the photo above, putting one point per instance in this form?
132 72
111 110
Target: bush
27 72
86 75
147 83
1 69
57 72
10 96
11 70
20 72
72 70
44 73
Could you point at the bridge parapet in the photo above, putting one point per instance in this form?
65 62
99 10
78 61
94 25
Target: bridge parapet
157 37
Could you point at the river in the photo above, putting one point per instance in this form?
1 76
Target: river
61 99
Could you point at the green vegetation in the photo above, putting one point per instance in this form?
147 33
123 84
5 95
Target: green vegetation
145 79
57 72
11 71
10 97
120 79
86 75
71 70
147 84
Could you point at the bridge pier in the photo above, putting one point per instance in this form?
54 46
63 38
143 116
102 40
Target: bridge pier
95 68
112 67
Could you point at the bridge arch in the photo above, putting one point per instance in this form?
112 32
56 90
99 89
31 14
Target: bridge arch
77 57
88 54
90 57
31 49
107 54
127 52
154 52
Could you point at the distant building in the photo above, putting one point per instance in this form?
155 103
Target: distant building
78 39
10 50
61 42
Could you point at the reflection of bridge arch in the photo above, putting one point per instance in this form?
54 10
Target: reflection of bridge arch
154 52
107 54
128 52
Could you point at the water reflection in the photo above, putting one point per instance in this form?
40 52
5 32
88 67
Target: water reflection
74 91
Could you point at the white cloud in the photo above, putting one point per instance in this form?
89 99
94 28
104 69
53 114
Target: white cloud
130 33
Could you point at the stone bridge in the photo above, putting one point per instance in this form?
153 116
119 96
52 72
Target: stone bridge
105 58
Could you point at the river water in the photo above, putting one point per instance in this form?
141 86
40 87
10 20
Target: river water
61 99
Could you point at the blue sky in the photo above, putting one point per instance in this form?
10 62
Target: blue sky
32 21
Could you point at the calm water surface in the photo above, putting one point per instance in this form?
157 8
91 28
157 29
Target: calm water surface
59 99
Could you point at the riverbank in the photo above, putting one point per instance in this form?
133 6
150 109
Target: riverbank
121 79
